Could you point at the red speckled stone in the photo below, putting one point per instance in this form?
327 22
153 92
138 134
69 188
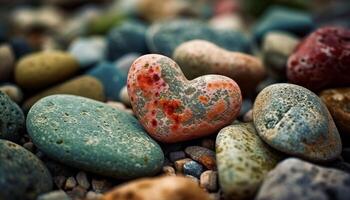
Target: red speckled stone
172 108
322 59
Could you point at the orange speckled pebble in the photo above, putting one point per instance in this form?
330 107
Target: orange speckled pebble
172 108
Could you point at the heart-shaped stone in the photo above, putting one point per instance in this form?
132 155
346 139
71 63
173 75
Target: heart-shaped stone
172 108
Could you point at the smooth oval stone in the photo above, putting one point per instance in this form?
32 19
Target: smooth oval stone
85 86
292 119
88 51
93 136
172 108
192 168
338 103
22 174
275 53
278 18
13 91
39 70
199 57
164 37
159 188
203 155
243 160
12 119
297 179
128 37
322 59
110 76
7 63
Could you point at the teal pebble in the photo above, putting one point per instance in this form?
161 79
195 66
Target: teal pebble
111 78
93 136
22 174
278 18
11 118
164 37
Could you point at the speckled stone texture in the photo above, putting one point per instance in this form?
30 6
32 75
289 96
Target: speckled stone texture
295 179
338 103
294 120
173 109
322 59
161 188
93 136
199 57
22 174
243 160
12 119
39 70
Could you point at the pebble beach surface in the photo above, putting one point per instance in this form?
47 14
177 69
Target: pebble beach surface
174 100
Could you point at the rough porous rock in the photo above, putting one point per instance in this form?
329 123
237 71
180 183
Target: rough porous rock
12 120
297 179
292 119
22 174
243 160
200 57
93 136
39 70
322 59
168 187
85 86
172 108
338 103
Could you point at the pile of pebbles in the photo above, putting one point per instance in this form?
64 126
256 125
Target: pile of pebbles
168 100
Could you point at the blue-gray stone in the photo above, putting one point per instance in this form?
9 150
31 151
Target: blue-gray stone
88 51
297 179
22 174
126 38
12 119
93 136
279 18
292 119
164 37
124 63
193 168
111 77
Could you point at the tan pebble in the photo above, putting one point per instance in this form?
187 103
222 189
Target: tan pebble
169 171
85 86
209 180
163 188
179 164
